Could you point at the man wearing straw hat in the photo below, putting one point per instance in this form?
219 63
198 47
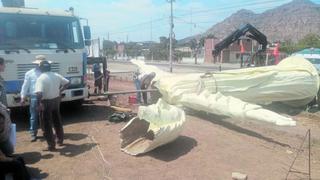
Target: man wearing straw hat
48 88
27 90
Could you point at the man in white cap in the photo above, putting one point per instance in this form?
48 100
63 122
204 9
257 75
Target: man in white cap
48 88
27 90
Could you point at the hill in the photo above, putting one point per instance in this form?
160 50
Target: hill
289 22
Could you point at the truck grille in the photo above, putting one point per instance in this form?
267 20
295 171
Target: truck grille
23 68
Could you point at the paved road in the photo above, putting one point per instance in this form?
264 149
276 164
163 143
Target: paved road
125 66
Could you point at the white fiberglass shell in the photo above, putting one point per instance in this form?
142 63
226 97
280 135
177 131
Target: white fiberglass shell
156 125
235 92
293 79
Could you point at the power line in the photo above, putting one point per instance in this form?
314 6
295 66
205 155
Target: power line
229 7
194 23
134 30
196 13
200 11
139 25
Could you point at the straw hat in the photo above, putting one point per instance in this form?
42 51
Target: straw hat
40 58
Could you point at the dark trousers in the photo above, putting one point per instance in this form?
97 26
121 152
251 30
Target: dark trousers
51 116
144 94
16 167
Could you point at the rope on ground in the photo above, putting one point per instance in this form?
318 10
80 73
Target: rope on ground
98 147
101 156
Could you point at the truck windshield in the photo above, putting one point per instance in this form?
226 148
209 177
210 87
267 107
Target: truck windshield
20 31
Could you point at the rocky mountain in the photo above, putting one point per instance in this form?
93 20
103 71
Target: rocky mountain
291 21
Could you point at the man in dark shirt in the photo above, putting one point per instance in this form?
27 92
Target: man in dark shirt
97 78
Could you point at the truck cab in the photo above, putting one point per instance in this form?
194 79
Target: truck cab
26 33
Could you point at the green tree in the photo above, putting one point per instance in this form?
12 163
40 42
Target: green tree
310 40
288 47
133 49
109 48
193 44
160 51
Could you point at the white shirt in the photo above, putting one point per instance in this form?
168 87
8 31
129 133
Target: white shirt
49 84
29 82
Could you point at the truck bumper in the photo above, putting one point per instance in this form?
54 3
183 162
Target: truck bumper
13 100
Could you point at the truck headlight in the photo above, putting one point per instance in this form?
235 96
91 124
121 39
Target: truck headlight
75 80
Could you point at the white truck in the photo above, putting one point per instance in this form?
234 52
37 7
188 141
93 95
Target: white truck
27 32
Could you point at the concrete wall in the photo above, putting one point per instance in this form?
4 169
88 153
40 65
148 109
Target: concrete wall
191 60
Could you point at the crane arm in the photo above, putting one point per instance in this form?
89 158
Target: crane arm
234 36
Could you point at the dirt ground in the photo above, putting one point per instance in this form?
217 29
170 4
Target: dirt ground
210 147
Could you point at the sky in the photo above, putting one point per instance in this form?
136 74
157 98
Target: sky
145 20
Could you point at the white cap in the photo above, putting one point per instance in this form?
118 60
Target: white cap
40 58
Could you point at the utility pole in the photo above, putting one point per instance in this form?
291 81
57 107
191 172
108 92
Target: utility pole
191 24
151 30
108 36
99 54
171 33
150 47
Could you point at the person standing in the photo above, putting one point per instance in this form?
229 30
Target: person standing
145 81
48 88
27 90
97 78
137 83
5 122
3 94
6 145
107 78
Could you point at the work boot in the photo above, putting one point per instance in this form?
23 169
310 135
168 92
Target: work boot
33 138
51 148
60 142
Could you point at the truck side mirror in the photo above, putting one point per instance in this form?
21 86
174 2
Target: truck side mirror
86 32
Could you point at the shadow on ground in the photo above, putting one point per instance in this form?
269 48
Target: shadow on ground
70 114
34 157
284 109
75 136
85 113
218 120
37 173
172 151
72 150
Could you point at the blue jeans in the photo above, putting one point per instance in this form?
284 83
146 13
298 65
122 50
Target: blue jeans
138 87
34 115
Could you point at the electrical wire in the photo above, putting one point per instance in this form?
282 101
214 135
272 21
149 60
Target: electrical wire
194 13
198 13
